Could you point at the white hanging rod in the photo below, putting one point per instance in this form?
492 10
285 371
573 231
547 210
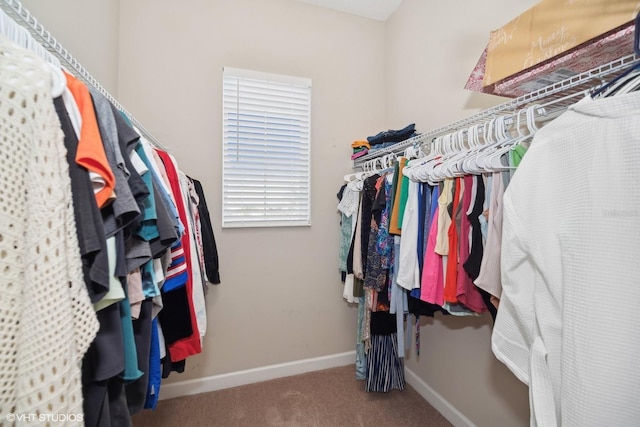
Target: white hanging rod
15 10
564 90
393 149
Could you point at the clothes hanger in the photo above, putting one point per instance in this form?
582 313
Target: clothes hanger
414 163
358 177
427 169
495 136
468 163
614 84
454 152
436 174
419 168
630 85
444 142
58 80
416 166
469 148
20 36
450 167
495 161
472 145
488 133
611 88
411 152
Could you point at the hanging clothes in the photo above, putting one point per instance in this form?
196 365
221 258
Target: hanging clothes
466 292
571 218
91 153
489 278
44 334
409 270
209 247
112 220
432 286
189 345
451 274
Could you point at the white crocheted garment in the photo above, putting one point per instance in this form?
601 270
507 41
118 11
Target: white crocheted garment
46 320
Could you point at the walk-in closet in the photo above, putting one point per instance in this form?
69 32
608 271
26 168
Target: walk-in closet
319 213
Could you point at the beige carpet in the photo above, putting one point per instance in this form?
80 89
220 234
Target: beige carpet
328 398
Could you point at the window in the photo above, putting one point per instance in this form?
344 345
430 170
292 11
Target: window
266 150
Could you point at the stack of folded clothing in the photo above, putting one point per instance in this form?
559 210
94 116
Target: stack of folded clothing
360 148
389 137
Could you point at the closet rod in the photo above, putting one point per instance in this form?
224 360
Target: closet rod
564 89
22 17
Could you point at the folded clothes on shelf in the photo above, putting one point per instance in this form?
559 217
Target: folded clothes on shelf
359 154
360 144
392 136
382 146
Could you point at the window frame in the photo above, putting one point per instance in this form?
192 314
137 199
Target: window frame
295 149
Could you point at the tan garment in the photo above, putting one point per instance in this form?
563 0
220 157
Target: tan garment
444 219
358 269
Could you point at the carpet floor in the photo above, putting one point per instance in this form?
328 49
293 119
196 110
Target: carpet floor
328 398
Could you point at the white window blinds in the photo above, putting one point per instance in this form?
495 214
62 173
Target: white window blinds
266 150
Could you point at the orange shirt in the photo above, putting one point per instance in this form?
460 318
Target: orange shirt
358 144
91 154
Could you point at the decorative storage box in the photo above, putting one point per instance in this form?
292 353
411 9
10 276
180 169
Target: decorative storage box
550 29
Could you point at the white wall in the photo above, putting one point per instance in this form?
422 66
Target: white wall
88 29
431 48
280 297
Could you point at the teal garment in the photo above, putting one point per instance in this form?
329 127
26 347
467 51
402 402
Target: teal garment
149 283
148 229
131 371
168 202
457 309
345 240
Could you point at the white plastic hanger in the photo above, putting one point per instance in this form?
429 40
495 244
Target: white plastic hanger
417 166
436 173
473 145
453 167
20 36
475 133
494 161
628 85
475 164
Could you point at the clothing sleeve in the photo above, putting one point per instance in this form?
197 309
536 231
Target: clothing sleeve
512 336
210 249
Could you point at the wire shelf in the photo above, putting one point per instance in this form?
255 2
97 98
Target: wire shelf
562 94
16 11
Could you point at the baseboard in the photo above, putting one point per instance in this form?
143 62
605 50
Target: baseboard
249 376
443 406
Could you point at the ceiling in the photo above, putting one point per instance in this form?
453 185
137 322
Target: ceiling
380 10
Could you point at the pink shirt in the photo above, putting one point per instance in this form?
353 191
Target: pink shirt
432 287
